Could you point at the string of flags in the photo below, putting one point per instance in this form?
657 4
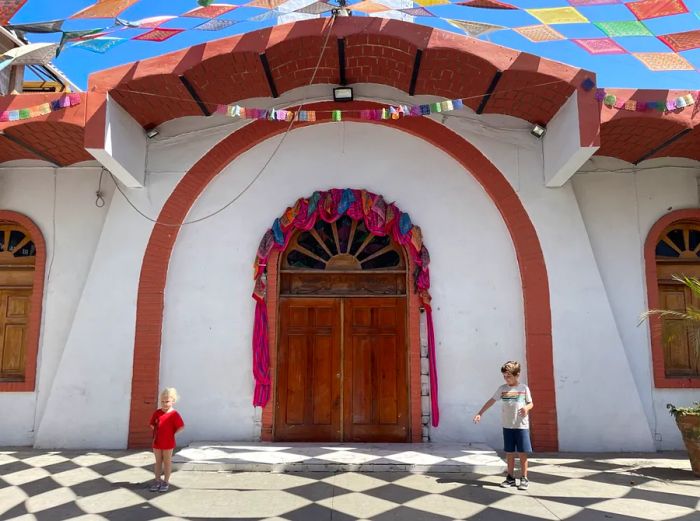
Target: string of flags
665 105
611 23
68 100
384 113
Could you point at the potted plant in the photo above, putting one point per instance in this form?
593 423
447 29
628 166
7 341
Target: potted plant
687 418
688 421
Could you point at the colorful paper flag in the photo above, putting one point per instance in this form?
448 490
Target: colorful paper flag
105 9
645 9
267 15
315 8
599 45
210 11
425 3
558 15
539 33
146 23
99 45
8 8
487 4
215 25
266 4
54 26
474 29
684 41
416 11
663 61
159 34
626 28
366 6
593 2
32 54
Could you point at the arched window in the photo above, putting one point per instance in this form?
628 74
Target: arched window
677 253
22 260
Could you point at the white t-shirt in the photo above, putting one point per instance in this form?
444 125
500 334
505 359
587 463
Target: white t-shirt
512 400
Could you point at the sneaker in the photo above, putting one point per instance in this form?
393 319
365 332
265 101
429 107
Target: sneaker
509 482
524 483
163 487
155 487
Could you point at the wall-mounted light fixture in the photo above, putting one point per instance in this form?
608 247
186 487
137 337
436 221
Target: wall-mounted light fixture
538 131
342 94
150 134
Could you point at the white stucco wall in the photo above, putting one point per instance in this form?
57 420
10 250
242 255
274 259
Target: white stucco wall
63 207
634 199
475 280
595 280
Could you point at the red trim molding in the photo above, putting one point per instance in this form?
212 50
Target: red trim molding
661 381
533 273
34 325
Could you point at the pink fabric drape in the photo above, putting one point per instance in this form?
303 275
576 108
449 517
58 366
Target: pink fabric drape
380 218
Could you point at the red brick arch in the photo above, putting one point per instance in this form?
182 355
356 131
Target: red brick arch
150 301
37 299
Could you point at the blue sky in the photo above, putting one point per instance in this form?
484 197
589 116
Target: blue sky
612 70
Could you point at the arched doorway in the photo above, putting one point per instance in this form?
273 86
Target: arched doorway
17 265
342 353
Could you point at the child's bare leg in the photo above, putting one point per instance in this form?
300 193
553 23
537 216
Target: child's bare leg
167 464
510 461
523 464
158 467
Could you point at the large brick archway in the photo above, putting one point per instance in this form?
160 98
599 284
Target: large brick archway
150 300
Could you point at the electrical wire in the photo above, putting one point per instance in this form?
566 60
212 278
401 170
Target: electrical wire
260 172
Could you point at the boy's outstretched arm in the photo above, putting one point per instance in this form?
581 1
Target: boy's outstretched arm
485 408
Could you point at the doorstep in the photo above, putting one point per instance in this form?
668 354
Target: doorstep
465 458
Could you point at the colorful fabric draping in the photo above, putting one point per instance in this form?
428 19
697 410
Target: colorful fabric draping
626 28
474 29
100 45
487 4
53 26
215 25
69 100
380 218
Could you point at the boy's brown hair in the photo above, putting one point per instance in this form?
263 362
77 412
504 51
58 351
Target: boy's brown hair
511 367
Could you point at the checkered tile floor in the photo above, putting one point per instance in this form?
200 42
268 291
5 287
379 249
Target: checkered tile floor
54 486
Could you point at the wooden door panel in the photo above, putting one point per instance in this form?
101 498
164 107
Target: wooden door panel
308 371
680 343
14 315
375 386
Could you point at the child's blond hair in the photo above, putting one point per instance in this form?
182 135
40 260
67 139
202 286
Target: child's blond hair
170 391
511 367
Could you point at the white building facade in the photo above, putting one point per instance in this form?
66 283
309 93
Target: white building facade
539 252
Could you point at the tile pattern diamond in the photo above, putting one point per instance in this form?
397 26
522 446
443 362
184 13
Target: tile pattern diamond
113 485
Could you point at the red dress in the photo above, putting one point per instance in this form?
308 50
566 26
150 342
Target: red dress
164 426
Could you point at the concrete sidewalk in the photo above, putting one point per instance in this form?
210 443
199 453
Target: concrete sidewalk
57 485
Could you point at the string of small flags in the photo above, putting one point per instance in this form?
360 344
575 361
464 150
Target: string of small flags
69 100
385 113
642 106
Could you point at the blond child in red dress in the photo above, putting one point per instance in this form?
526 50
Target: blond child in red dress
166 422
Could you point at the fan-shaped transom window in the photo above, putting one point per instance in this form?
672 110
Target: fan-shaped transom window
680 242
16 245
343 245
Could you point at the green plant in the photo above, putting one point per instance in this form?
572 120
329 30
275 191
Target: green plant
683 411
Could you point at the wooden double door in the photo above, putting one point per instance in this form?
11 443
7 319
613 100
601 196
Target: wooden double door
342 370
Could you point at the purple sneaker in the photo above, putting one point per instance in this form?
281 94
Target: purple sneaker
163 487
155 487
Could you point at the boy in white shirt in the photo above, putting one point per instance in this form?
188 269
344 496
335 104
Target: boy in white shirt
516 403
